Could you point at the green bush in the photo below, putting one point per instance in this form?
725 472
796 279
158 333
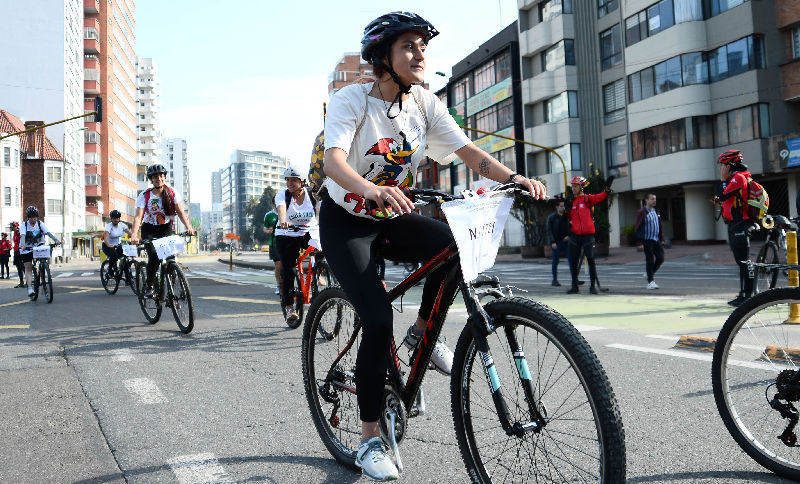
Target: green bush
628 230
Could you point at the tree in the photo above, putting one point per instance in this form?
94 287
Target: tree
257 208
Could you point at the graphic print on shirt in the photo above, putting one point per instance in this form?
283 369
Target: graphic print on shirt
156 213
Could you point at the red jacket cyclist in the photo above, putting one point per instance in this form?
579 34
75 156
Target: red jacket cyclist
579 212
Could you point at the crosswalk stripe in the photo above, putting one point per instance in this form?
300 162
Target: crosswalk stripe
86 274
63 274
237 299
246 315
199 468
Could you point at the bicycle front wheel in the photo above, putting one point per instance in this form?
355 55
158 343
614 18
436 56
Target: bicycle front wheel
35 276
766 279
151 307
755 358
47 282
582 439
331 393
130 276
179 298
106 279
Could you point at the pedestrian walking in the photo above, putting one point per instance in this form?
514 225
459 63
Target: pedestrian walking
5 254
17 257
558 236
270 222
732 194
650 237
582 229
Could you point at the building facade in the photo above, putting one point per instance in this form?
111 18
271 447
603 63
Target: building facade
10 175
348 70
248 174
149 130
216 186
653 91
174 157
212 226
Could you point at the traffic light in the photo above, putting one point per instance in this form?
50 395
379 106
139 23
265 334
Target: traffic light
459 118
98 109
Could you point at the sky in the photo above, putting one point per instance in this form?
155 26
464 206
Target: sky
255 77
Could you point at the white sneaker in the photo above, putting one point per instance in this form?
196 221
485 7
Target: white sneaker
277 290
374 461
442 357
30 291
652 285
291 315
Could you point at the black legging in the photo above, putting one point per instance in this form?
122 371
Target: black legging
20 267
739 240
150 231
113 254
348 243
288 250
586 242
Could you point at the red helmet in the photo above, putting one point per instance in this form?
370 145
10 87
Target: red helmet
13 225
730 156
579 180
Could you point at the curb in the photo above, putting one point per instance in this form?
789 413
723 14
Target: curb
696 343
249 265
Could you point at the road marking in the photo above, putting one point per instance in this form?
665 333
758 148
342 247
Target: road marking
15 326
146 389
199 468
245 315
702 357
585 327
225 281
238 299
63 274
664 336
86 274
123 354
86 290
14 303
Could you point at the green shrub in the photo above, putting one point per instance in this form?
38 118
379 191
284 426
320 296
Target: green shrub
628 230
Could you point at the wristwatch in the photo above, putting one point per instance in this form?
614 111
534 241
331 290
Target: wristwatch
511 178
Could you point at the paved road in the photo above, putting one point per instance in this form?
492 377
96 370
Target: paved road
92 393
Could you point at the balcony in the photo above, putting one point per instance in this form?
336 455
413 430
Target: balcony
91 137
545 34
147 71
149 83
91 7
96 127
93 191
91 22
147 145
147 120
91 46
91 87
93 169
91 62
148 158
92 148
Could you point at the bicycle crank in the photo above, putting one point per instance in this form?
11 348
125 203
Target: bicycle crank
393 423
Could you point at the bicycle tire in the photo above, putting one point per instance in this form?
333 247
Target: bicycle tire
564 370
322 270
744 370
47 283
766 279
35 276
297 295
151 307
179 296
130 276
341 435
105 278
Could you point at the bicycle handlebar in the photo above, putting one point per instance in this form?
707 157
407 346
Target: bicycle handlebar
144 242
425 196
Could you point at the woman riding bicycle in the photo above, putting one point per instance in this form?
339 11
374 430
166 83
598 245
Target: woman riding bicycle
297 228
156 209
31 235
114 230
373 158
732 195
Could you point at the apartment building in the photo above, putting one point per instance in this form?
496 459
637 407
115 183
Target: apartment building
653 91
10 172
216 186
174 156
785 149
349 69
112 145
41 59
148 104
211 225
248 174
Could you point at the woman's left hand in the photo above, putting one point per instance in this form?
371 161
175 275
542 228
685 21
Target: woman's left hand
535 187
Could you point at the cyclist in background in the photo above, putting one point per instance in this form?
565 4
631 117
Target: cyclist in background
31 235
111 245
371 157
156 208
270 221
14 226
582 229
296 208
732 191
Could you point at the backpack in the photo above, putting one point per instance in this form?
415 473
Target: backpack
757 200
308 194
147 199
316 172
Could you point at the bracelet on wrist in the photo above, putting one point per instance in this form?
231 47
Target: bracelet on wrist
511 178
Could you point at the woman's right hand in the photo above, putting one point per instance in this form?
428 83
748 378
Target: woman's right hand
389 197
554 246
134 240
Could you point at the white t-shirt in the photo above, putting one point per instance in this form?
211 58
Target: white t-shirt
38 230
387 151
114 233
155 214
303 214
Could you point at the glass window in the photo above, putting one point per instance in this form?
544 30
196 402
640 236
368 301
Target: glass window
740 125
559 55
763 110
502 68
614 101
661 16
702 133
796 42
718 64
561 107
53 174
695 68
636 28
606 6
635 87
688 11
611 47
650 142
484 77
7 196
553 8
738 58
721 129
617 151
677 133
505 114
668 75
756 49
637 145
570 153
648 83
663 137
7 156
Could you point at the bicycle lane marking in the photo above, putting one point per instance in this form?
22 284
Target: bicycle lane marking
146 390
238 299
199 469
687 355
246 315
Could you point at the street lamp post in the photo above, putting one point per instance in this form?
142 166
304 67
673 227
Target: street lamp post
64 196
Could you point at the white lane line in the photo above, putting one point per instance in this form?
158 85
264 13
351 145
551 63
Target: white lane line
583 328
694 356
146 389
86 274
64 274
123 354
664 336
199 468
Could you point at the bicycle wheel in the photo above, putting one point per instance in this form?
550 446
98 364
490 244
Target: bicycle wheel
332 398
151 307
35 276
582 439
179 298
755 357
766 278
109 282
130 276
323 278
47 283
297 295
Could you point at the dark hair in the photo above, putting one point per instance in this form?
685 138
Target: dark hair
383 51
647 195
167 201
559 201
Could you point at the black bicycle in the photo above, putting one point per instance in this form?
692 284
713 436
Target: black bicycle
41 277
112 274
170 288
773 252
549 417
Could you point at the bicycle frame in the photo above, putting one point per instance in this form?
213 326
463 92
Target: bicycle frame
305 282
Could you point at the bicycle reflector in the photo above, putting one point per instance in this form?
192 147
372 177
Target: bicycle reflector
98 109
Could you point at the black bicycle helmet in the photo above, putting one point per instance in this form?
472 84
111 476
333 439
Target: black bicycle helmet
31 212
155 170
387 27
115 214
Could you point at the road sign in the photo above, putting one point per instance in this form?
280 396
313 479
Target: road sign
230 236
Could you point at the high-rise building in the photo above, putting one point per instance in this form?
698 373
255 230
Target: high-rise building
653 92
149 129
174 157
216 186
41 58
112 145
248 174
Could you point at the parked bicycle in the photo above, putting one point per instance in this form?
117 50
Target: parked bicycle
756 380
41 272
112 274
773 252
308 282
170 288
550 417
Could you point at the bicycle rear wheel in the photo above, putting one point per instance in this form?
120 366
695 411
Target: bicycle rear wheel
151 307
755 357
109 282
332 397
47 282
582 439
130 276
766 279
179 298
323 278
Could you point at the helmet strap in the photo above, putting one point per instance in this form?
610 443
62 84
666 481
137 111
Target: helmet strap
403 88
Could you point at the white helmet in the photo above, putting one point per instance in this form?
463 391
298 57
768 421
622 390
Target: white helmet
291 172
